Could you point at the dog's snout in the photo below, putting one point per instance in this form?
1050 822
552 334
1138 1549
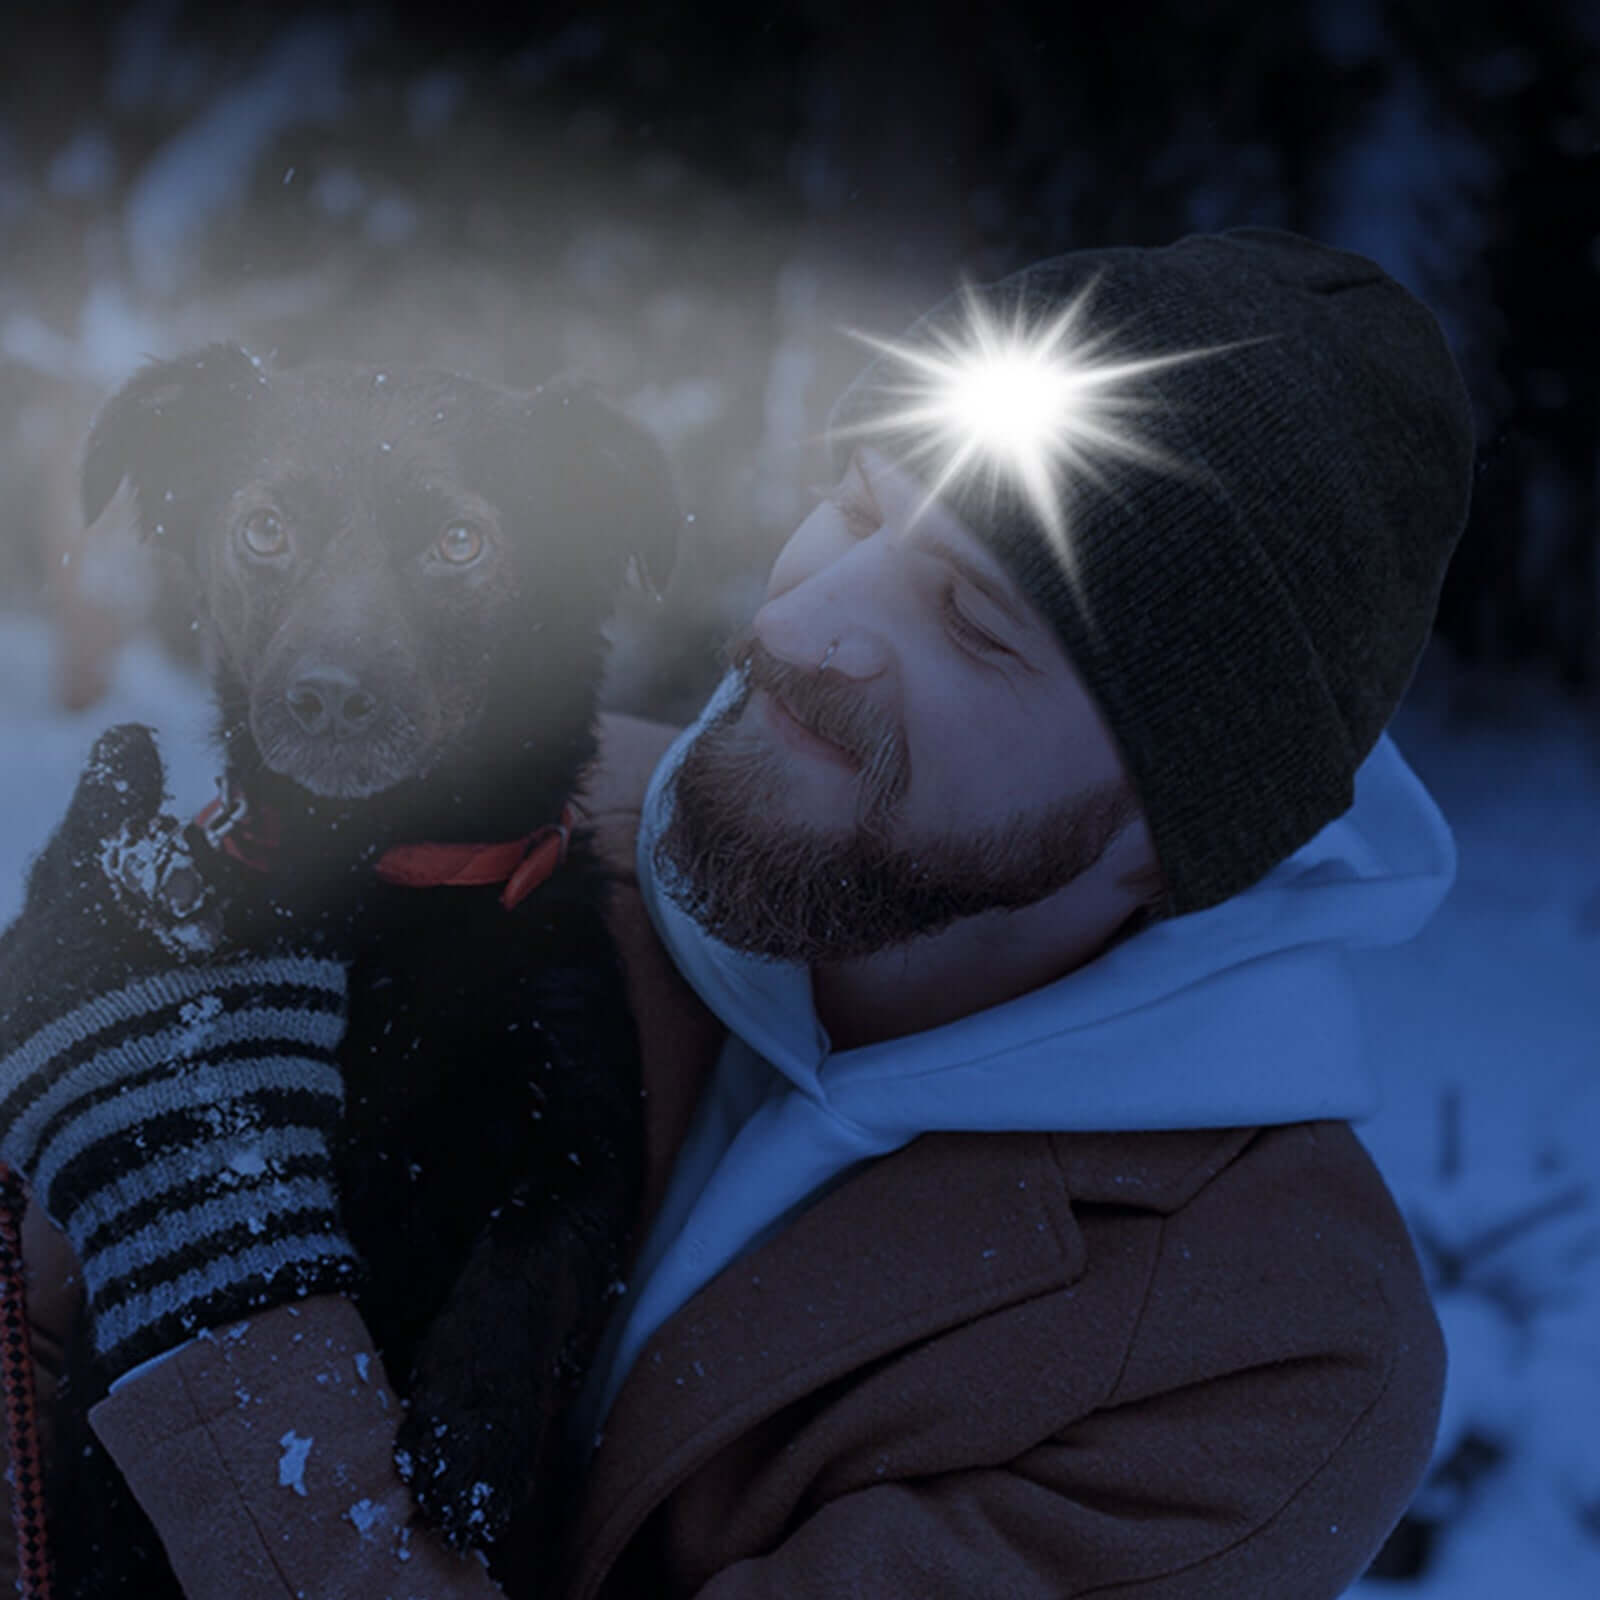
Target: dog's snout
330 701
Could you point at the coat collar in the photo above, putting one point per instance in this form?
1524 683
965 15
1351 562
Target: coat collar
947 1229
1152 1171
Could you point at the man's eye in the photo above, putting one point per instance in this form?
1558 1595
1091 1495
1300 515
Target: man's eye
966 629
861 517
859 512
264 535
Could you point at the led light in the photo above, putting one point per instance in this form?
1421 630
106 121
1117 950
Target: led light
1036 402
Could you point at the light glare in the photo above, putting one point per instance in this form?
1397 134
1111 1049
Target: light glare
1037 403
1009 402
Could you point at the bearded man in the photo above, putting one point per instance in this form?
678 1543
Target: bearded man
1007 1234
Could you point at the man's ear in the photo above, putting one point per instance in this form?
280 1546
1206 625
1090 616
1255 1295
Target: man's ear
164 428
614 477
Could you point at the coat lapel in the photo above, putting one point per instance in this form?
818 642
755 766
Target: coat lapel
944 1230
939 1233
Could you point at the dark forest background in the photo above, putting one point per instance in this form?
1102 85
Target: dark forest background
689 204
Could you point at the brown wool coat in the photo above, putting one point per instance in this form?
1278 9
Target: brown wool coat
1155 1366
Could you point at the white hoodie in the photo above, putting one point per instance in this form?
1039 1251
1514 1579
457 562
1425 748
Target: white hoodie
1240 1015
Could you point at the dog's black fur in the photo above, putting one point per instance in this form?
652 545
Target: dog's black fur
404 577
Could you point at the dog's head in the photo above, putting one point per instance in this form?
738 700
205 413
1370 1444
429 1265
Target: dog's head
398 569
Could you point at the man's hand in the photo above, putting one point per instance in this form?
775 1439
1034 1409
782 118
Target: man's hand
171 1107
613 790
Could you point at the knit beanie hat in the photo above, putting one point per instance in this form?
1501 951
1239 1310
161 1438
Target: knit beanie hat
1248 624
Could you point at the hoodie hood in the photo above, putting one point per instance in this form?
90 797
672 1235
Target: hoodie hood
1239 1015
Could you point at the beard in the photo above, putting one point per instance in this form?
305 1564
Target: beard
793 892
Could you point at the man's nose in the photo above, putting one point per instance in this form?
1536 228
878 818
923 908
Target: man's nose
841 616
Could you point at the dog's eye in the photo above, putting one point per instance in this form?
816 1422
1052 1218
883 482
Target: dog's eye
263 534
460 544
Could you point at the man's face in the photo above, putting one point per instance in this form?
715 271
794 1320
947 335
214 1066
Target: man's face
909 746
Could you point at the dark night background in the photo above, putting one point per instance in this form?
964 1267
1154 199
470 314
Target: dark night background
689 204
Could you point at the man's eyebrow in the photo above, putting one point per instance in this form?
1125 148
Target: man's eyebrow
995 588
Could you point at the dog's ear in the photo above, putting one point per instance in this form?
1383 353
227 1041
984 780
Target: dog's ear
618 475
164 426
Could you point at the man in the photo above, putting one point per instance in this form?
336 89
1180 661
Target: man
1015 1242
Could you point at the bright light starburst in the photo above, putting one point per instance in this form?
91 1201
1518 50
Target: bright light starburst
1036 402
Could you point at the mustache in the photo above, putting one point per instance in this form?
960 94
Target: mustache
833 708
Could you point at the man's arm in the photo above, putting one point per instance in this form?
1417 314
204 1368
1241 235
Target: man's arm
263 1454
298 1394
614 786
219 1438
678 1037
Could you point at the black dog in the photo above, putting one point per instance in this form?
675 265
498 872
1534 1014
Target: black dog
404 578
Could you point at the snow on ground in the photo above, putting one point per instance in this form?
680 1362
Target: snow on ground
1498 1001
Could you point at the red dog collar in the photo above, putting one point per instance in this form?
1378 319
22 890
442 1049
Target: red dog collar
236 828
250 836
520 864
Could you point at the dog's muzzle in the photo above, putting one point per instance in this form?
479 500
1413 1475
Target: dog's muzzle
333 736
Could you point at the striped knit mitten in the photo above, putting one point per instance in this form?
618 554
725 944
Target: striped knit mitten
173 1110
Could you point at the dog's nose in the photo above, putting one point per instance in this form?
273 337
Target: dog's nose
329 700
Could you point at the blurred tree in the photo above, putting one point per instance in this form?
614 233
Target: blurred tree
689 202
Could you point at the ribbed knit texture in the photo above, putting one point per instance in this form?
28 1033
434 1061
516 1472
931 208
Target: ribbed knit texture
178 1130
1248 626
